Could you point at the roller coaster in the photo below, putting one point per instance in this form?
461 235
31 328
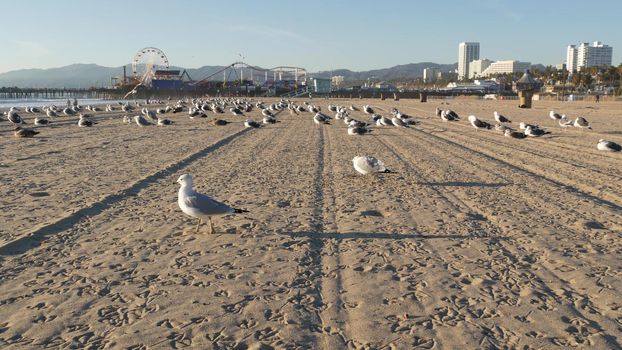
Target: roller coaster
243 71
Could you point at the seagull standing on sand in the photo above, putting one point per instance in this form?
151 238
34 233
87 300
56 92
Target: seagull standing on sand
609 146
581 122
500 118
478 124
199 205
368 165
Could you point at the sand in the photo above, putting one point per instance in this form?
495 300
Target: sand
478 241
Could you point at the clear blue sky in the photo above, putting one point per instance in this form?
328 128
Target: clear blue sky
317 35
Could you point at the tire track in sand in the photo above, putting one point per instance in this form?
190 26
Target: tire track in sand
35 237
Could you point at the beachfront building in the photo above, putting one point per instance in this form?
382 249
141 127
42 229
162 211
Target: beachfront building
477 67
321 85
430 75
467 52
586 55
337 80
503 67
477 86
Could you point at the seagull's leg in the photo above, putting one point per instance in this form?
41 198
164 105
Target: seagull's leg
211 226
198 224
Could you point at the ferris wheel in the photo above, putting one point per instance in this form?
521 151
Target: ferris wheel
146 62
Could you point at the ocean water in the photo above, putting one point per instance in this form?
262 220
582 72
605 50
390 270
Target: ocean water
59 102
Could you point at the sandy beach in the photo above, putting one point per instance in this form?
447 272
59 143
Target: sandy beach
477 241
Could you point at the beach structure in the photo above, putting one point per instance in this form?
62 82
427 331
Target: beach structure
526 86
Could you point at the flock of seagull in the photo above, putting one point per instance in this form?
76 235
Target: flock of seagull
526 130
201 206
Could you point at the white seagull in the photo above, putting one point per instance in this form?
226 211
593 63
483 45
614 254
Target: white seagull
478 124
85 121
609 146
200 206
141 121
554 115
249 123
500 118
581 122
368 165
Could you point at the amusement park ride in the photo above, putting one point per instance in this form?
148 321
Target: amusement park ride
151 69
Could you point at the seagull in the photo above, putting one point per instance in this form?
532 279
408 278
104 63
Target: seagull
50 113
141 121
219 122
200 206
535 132
564 122
368 164
352 108
399 122
555 116
19 132
451 115
320 118
269 120
514 134
69 111
41 121
249 123
15 118
501 128
478 124
164 121
610 146
149 114
500 118
448 117
384 121
581 122
524 126
358 130
368 110
84 121
267 113
236 111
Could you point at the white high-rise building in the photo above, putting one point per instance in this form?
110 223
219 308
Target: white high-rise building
467 52
571 58
429 75
586 55
477 67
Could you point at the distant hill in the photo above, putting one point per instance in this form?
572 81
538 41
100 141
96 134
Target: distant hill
87 75
80 76
404 71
